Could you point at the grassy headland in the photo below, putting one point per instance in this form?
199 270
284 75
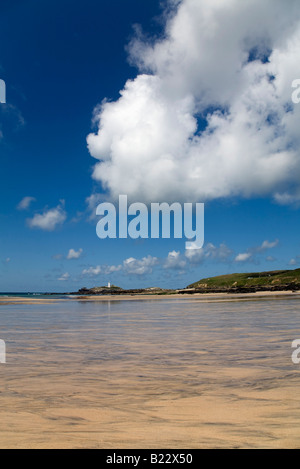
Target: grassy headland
278 280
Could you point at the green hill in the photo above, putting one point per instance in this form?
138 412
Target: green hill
274 280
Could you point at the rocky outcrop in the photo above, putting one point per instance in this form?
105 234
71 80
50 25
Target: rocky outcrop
113 290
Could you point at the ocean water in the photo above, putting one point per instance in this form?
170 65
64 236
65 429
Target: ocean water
183 373
31 295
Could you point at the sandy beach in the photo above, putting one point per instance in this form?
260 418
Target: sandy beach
138 297
170 373
54 411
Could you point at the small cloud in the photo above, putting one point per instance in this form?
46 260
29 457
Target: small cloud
57 257
195 256
221 253
92 271
210 251
12 116
143 266
174 261
102 269
111 269
25 203
49 219
268 245
249 255
243 257
74 254
92 203
294 262
270 259
288 199
64 277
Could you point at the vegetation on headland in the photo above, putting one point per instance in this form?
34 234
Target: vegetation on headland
100 290
278 280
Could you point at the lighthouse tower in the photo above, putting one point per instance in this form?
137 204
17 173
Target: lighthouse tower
108 285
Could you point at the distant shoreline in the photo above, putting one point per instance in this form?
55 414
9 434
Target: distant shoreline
222 297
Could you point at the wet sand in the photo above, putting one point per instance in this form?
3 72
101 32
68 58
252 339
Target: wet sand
150 374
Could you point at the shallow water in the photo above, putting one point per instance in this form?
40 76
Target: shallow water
150 374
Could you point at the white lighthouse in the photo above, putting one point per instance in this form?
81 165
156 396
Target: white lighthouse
108 285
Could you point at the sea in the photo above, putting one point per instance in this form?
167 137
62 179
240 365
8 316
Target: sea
33 295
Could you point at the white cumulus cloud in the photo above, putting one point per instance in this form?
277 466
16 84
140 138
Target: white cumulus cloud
295 261
175 261
64 277
74 254
210 114
142 266
130 266
243 257
220 253
92 271
25 203
49 219
269 245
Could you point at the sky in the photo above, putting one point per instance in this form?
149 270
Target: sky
186 101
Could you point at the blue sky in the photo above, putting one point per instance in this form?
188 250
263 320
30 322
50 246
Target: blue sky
191 88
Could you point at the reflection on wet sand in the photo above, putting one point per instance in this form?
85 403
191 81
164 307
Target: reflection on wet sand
150 374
